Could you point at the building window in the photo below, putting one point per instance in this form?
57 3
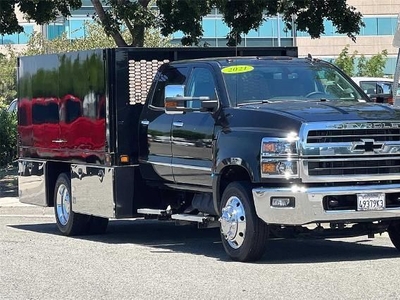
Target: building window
76 28
222 28
373 26
55 31
209 27
390 66
17 38
386 26
370 28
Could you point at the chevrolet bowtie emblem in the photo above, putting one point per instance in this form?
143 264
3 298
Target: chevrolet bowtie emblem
367 145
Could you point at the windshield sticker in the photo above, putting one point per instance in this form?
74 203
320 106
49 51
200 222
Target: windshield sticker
237 69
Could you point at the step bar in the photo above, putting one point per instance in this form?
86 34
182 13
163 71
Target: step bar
204 221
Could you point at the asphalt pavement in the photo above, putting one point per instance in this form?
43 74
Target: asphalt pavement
11 202
148 259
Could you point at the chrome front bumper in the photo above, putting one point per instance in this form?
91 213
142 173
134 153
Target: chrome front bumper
309 205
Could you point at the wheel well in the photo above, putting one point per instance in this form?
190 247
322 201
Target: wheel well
231 174
54 169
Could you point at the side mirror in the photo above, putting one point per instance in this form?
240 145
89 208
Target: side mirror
174 91
380 99
175 102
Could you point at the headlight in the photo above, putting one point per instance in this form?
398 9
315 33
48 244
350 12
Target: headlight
275 148
279 157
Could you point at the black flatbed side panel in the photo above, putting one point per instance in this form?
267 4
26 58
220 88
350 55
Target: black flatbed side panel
61 106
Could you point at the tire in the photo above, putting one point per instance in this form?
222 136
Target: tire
244 235
394 233
68 222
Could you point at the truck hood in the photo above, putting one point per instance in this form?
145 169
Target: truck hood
310 111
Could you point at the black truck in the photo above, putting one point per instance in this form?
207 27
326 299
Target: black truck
256 141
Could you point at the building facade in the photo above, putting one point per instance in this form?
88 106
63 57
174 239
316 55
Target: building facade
379 16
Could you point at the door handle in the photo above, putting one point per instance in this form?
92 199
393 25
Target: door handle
178 123
145 122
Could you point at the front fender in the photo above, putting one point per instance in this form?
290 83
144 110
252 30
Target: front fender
239 149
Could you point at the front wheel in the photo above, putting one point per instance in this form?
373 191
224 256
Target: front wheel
394 233
68 222
244 235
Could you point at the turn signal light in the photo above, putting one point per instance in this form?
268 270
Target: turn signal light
171 104
269 167
124 159
284 168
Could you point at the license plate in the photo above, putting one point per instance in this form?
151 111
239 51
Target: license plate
371 201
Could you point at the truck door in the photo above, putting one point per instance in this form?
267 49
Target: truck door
192 133
155 128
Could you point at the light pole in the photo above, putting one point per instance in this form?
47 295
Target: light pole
278 29
294 31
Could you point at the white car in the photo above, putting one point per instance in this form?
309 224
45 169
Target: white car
12 108
376 87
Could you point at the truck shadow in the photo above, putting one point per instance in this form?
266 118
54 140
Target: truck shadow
165 237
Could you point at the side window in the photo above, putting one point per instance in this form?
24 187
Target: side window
368 87
201 83
170 75
387 88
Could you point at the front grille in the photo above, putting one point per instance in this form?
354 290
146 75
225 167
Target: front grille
350 151
351 135
368 166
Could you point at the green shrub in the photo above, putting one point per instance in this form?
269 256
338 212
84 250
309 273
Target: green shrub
8 137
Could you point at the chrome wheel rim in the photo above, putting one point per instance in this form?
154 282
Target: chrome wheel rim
233 222
63 202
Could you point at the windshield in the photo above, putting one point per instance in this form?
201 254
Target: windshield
274 80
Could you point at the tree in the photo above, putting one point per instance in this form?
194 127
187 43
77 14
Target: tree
186 15
8 137
346 61
7 77
372 67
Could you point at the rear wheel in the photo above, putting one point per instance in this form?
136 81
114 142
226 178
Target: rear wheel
394 233
68 222
244 236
